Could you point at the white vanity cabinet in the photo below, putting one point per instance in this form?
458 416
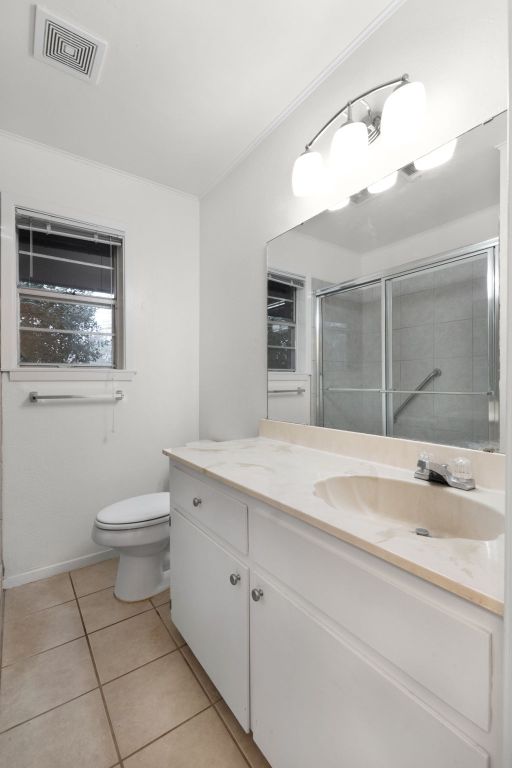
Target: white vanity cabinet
210 589
316 701
352 661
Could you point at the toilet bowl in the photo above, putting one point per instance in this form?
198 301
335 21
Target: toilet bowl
138 530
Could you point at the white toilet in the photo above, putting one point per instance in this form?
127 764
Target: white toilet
138 529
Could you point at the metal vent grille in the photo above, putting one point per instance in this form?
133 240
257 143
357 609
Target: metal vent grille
65 46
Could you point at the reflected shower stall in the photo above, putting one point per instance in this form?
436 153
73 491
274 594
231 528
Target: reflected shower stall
414 353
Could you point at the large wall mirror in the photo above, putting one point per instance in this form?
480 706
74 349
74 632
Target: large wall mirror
383 316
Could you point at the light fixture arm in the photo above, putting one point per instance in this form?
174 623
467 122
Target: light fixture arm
348 105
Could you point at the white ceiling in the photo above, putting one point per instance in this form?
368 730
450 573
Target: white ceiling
187 85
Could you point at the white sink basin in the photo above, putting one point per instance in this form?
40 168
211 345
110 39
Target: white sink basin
443 512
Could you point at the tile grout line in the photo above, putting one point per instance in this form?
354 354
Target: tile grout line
141 666
174 728
231 734
189 665
38 610
116 746
46 711
178 647
2 621
239 747
114 623
39 653
84 693
213 703
75 600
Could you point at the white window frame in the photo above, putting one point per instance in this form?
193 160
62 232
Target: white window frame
9 330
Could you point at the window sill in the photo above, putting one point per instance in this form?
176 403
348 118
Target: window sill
59 374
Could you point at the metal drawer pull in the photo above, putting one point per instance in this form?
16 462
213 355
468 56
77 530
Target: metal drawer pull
257 594
235 578
196 501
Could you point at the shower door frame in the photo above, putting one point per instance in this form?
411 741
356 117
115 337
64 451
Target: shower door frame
491 249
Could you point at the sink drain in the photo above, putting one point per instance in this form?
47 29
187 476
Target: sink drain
422 532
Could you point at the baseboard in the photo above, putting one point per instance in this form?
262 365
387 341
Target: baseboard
53 570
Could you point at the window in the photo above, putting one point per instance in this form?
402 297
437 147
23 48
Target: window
69 293
281 323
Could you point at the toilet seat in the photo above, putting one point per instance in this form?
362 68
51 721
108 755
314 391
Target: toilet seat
136 512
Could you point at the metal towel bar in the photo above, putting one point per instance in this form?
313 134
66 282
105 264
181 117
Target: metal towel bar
35 397
380 391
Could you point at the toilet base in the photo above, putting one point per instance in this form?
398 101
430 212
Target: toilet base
139 578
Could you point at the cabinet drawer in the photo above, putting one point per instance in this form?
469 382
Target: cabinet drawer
213 509
440 649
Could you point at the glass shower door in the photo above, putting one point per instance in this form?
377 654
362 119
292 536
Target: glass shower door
440 353
351 349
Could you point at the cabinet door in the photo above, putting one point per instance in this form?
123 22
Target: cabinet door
211 612
317 702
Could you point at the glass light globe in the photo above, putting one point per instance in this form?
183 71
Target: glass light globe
403 113
308 176
437 157
338 204
349 147
383 184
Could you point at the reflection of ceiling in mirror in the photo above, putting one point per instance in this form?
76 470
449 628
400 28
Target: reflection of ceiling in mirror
467 183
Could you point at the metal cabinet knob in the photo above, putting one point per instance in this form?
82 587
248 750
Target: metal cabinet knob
257 594
235 578
196 501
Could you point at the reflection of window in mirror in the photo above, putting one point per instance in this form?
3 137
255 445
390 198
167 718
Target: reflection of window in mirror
281 324
289 334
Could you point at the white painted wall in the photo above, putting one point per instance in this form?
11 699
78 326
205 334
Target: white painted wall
311 257
62 462
459 51
468 230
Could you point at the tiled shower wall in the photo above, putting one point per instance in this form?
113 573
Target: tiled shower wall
440 321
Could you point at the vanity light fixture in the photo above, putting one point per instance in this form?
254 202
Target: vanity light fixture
383 184
437 157
403 111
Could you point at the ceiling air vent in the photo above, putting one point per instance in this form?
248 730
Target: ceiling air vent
67 47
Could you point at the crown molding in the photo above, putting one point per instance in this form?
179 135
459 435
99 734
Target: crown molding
96 164
356 43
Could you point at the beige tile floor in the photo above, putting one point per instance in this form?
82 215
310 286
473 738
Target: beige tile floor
90 682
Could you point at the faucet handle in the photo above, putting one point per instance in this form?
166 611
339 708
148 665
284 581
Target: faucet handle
424 459
461 468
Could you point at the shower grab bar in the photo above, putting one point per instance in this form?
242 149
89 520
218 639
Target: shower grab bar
35 397
296 391
432 375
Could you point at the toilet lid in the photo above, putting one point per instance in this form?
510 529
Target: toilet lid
137 512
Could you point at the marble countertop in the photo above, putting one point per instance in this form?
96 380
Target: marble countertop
283 475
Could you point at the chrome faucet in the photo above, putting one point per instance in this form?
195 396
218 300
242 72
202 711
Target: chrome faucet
426 469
